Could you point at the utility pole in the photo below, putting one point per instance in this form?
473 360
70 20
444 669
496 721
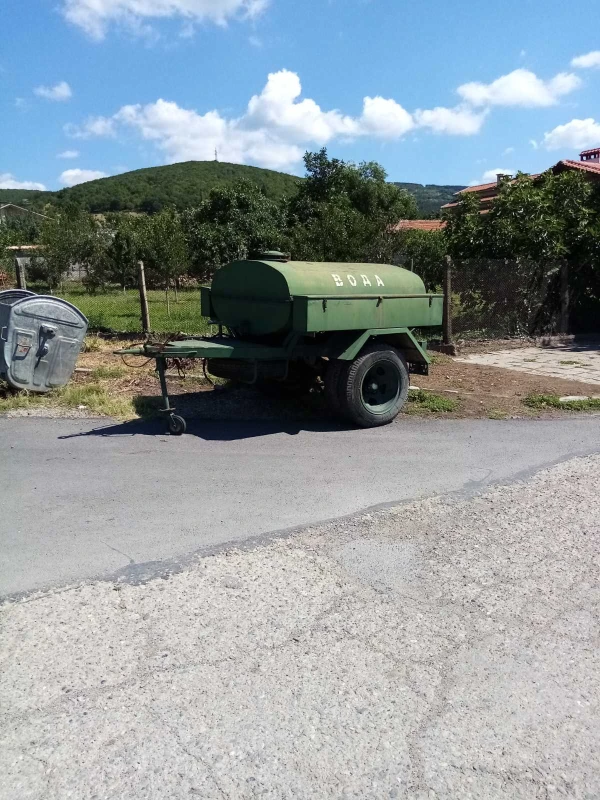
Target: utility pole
447 313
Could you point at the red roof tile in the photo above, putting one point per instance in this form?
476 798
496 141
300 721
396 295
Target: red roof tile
584 166
419 225
480 188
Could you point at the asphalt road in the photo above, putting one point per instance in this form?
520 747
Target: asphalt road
445 648
88 498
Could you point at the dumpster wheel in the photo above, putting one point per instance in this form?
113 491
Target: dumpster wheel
177 425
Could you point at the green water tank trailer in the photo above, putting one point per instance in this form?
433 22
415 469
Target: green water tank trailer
259 298
342 328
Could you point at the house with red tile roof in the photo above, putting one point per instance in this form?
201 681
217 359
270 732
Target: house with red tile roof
589 164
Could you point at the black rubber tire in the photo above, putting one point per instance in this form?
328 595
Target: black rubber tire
177 425
351 382
333 386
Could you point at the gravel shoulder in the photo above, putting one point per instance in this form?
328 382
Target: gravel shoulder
444 648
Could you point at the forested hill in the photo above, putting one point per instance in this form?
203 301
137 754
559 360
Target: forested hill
430 197
185 184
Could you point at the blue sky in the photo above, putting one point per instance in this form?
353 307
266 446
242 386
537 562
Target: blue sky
437 92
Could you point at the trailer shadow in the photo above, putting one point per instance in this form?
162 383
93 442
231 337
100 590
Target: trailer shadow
226 415
213 430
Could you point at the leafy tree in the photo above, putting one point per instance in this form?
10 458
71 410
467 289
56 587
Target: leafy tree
125 248
230 224
163 247
61 238
72 238
537 225
344 211
425 252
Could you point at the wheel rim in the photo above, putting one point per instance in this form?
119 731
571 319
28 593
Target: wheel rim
381 387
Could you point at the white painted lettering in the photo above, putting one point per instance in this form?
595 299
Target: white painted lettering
379 281
366 281
337 279
351 280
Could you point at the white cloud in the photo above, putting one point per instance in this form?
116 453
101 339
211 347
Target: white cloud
92 127
575 135
185 135
587 61
8 181
95 16
508 151
71 177
520 88
458 121
68 154
277 107
491 176
276 128
385 118
59 92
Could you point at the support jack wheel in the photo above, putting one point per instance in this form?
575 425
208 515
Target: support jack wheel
177 425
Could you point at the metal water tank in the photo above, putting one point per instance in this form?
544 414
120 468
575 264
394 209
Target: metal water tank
272 296
40 339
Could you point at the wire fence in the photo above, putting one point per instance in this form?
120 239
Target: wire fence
507 298
487 299
118 309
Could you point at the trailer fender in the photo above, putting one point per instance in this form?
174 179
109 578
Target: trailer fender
346 345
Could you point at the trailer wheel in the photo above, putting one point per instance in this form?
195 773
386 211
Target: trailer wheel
177 425
374 386
333 385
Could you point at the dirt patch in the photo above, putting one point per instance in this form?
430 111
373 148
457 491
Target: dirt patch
494 392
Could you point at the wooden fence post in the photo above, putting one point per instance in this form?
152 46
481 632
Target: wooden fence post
447 315
564 297
143 298
20 274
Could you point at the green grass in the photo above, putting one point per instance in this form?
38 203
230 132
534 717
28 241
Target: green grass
541 402
497 413
108 372
120 311
420 400
92 344
95 397
568 363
